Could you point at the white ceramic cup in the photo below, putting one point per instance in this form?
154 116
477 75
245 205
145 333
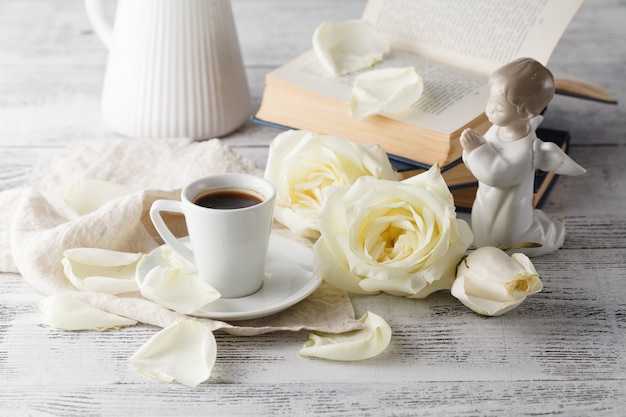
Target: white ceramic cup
229 245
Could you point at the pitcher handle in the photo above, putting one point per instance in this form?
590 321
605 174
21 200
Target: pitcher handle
102 25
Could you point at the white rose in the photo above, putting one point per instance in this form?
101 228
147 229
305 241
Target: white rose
490 282
302 164
402 238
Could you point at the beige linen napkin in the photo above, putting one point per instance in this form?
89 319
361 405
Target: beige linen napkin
36 229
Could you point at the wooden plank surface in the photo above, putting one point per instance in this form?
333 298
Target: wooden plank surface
560 353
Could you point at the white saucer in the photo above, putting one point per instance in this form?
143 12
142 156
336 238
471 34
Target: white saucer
289 280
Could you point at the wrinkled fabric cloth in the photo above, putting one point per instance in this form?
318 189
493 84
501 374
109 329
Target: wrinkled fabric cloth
36 228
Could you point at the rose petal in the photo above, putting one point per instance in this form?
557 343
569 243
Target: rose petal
64 312
479 305
526 264
348 46
185 352
173 259
333 267
101 270
386 91
356 345
176 287
86 196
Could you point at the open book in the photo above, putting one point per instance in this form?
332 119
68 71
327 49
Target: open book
454 45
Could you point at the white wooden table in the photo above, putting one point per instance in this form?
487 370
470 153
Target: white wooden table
561 353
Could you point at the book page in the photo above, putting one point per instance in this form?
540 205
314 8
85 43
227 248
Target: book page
476 34
452 96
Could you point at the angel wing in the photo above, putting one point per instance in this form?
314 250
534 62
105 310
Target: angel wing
549 157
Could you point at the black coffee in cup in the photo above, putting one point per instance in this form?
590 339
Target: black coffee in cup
227 199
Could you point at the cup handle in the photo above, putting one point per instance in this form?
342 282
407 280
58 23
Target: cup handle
166 234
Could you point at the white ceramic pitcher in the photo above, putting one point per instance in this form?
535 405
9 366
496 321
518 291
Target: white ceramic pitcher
174 69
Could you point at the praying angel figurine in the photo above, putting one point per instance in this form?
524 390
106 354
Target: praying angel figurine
505 159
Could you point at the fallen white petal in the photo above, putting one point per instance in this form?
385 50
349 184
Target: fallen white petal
173 259
86 196
101 270
386 91
349 46
185 352
64 312
356 345
176 289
